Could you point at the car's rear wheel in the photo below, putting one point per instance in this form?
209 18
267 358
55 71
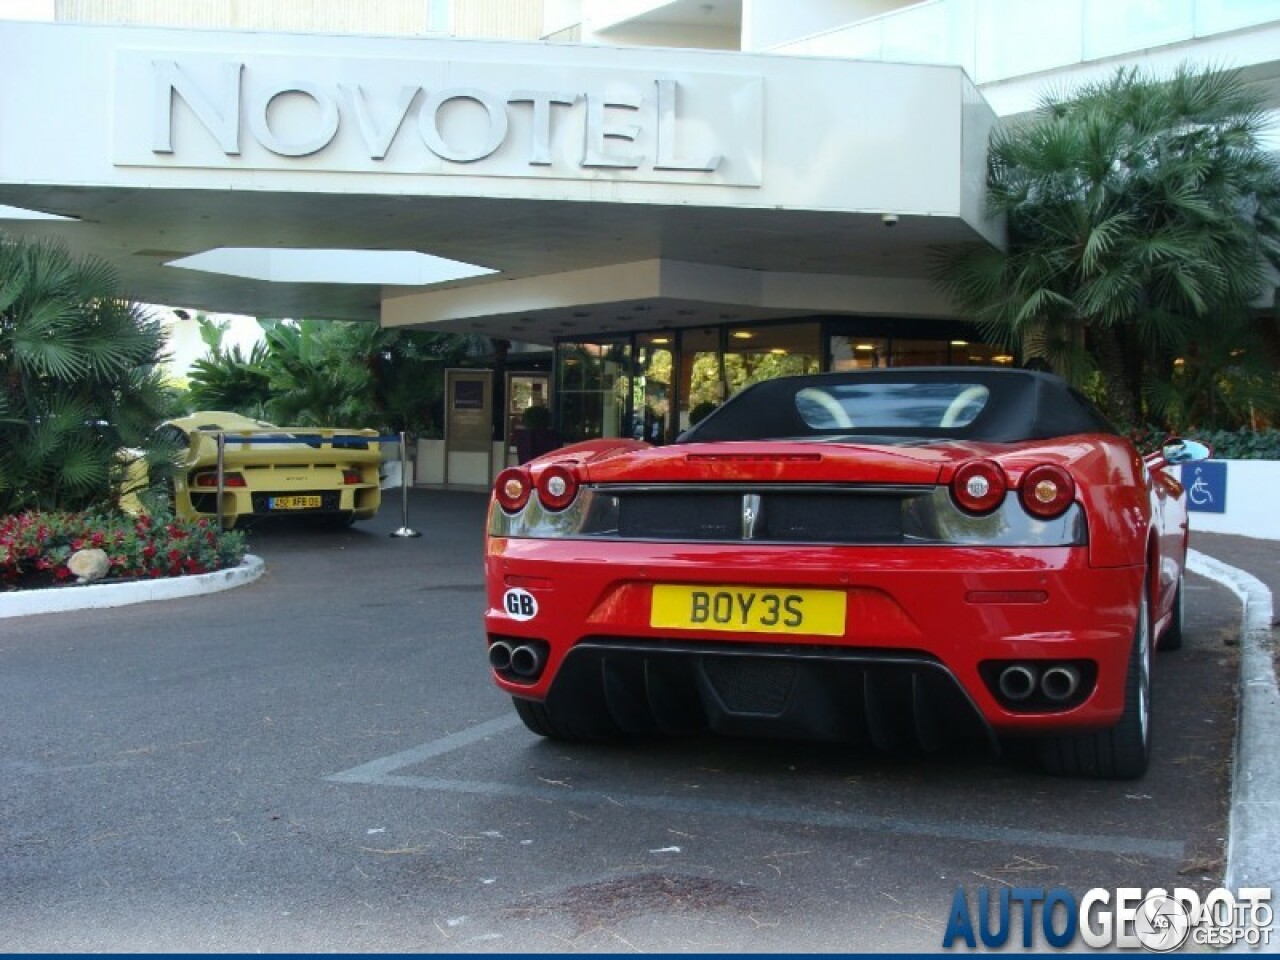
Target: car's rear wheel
1171 639
1124 751
581 726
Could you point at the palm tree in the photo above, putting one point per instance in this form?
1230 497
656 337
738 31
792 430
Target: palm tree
329 372
226 379
1140 212
79 381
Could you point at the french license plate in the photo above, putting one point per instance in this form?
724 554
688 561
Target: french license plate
293 503
748 609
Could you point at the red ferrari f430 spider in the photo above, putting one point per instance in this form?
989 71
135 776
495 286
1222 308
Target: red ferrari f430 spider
901 556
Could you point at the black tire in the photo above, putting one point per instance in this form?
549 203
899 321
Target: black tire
535 717
1171 639
588 727
1122 752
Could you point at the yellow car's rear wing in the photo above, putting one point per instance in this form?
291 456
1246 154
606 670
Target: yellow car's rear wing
285 445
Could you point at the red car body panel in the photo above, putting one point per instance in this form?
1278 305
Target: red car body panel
959 605
900 598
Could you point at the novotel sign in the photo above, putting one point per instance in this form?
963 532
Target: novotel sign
430 117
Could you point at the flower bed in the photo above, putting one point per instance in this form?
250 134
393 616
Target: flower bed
35 547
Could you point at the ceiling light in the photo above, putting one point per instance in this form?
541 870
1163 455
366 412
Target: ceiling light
779 351
742 334
865 346
959 343
660 340
21 213
1003 358
407 268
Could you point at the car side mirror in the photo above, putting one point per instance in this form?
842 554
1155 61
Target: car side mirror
1178 450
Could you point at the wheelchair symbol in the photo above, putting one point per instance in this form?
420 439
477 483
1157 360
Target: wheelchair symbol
1199 492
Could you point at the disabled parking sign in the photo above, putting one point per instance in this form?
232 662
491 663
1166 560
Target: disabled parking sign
1206 484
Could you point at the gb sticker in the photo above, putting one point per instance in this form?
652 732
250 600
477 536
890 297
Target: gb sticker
520 604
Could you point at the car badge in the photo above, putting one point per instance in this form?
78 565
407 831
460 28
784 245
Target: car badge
750 514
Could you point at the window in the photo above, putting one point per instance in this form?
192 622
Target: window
592 389
889 406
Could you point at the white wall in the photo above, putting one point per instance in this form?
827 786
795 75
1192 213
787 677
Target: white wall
767 23
834 135
1251 510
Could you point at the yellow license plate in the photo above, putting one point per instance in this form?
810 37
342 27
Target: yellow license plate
294 503
748 609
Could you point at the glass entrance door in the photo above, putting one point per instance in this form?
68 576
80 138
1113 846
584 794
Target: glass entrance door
651 393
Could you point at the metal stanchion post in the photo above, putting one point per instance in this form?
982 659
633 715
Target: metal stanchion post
405 530
222 470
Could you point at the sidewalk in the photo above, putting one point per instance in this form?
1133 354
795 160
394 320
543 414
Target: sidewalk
1253 847
1258 557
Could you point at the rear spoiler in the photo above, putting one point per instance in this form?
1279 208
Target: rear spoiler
316 437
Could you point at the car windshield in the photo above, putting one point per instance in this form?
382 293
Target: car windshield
904 404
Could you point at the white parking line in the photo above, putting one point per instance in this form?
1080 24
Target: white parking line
376 771
381 772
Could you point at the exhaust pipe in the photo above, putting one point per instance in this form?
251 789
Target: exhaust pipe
1060 682
1017 682
500 655
526 661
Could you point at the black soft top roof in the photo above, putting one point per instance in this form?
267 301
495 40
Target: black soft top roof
1022 405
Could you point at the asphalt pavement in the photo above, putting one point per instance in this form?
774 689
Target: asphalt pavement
317 761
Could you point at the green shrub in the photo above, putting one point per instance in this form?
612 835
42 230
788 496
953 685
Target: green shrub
35 547
536 417
1242 444
701 411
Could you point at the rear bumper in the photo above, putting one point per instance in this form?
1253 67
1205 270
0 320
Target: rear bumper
360 501
921 624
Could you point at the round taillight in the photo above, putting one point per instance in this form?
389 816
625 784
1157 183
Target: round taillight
557 486
978 486
1047 490
512 489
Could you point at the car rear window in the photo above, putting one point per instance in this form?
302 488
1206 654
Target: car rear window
891 406
900 404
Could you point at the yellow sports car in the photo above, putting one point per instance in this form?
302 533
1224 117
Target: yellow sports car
273 471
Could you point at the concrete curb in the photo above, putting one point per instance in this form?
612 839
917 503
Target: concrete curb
1253 841
25 603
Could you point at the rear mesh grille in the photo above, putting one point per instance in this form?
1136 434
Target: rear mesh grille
809 517
711 516
751 685
828 517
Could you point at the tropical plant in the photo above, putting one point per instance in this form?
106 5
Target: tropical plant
79 381
225 379
1141 213
327 373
